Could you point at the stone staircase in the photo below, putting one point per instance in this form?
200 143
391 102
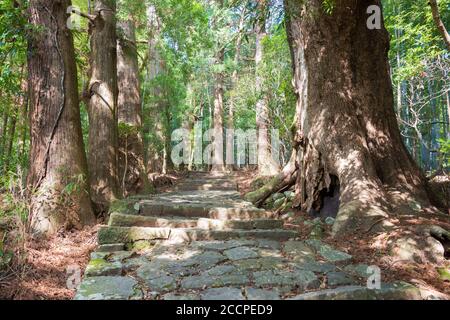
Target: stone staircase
203 241
203 207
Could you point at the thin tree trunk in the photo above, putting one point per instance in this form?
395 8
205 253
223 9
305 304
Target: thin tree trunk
131 160
217 160
3 131
9 147
234 81
439 24
349 136
157 149
218 123
448 112
57 157
167 160
25 121
267 166
399 84
102 106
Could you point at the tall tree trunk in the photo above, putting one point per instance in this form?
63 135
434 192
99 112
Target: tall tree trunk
267 166
448 113
350 140
217 160
102 106
57 157
3 131
218 164
156 126
230 161
131 146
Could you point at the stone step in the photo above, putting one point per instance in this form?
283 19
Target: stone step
205 187
111 235
159 209
208 180
212 183
127 220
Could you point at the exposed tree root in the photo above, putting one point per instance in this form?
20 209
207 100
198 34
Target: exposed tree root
284 180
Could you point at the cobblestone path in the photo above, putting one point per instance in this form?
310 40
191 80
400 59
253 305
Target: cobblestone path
202 241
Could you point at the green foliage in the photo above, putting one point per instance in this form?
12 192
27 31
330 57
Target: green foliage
13 220
420 72
328 6
414 35
445 152
125 130
74 185
193 31
13 31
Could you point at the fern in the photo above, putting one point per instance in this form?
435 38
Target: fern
328 6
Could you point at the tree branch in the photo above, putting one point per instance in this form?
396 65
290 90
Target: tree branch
90 17
440 25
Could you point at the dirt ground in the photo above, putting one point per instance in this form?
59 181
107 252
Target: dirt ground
44 275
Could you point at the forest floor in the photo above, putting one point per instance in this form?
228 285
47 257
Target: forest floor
365 251
43 275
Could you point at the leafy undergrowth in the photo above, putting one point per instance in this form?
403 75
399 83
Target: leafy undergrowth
373 250
39 270
30 269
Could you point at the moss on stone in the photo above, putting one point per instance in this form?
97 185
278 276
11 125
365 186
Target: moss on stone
124 206
140 245
444 274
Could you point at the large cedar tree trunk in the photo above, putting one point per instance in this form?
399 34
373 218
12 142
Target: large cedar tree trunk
131 158
58 170
346 125
102 106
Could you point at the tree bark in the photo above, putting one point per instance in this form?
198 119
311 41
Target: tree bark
57 157
218 164
158 153
217 160
267 166
448 112
439 24
283 180
3 131
230 154
9 147
102 106
346 122
131 146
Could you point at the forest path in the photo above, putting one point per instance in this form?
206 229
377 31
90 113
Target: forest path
202 241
